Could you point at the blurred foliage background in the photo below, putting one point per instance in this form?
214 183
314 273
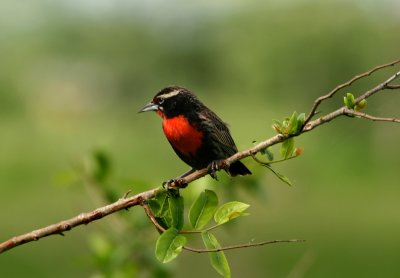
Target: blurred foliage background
74 74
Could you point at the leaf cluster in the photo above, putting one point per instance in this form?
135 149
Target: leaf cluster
168 210
291 126
351 103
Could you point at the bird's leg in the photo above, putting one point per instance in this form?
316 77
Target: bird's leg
215 166
179 182
186 173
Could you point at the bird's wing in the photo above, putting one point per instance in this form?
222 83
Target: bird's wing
220 132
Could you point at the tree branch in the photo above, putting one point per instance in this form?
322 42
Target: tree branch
139 199
319 100
83 218
344 110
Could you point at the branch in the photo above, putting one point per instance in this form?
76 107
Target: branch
344 110
150 215
393 87
350 112
141 198
81 219
239 246
162 229
319 100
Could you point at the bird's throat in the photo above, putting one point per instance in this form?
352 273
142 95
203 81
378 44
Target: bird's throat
183 136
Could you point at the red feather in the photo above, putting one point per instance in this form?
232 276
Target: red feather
182 135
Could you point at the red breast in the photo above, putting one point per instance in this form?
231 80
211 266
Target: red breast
182 135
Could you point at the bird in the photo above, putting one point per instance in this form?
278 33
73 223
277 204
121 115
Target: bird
198 136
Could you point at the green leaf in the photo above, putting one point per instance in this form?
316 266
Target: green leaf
230 211
176 211
292 125
287 148
164 205
169 245
280 176
361 105
159 204
203 209
154 206
349 100
163 222
285 126
300 122
218 259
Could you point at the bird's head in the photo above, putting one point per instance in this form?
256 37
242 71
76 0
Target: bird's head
172 101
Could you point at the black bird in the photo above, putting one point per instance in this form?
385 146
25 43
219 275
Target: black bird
197 135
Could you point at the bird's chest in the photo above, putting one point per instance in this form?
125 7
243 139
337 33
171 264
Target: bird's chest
183 136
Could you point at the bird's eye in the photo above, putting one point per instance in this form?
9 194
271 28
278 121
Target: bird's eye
160 101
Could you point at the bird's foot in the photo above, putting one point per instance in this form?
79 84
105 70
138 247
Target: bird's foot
215 166
174 184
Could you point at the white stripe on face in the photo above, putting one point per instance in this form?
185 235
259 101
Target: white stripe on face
170 94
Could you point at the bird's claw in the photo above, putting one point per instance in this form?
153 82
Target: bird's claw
174 184
213 168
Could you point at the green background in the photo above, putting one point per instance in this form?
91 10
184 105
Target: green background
73 75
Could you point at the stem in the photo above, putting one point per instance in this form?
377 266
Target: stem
239 246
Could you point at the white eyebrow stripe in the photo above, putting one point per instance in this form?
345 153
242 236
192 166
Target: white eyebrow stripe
170 94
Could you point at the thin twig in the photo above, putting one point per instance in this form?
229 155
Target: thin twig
319 100
267 163
239 246
394 87
200 231
369 117
150 214
126 194
342 111
380 87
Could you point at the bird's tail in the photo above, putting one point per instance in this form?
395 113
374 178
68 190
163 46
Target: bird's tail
238 168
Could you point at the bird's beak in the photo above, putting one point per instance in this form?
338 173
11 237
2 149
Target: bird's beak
149 107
